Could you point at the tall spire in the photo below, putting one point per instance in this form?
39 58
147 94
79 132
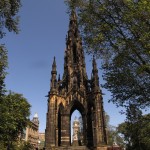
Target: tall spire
74 61
73 40
54 66
53 75
95 70
95 78
73 16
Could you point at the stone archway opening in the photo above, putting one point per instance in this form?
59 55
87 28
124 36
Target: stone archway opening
77 124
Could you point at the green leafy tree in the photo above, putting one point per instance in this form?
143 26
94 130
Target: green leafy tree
8 18
18 145
118 32
14 114
25 146
136 131
2 145
8 21
3 66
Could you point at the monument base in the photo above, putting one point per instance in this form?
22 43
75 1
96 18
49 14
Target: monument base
78 148
76 143
101 148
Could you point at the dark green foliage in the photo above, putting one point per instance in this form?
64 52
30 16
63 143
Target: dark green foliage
14 113
3 65
8 19
2 145
19 145
25 146
136 130
14 108
118 32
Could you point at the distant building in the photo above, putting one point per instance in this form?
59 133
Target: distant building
31 134
41 141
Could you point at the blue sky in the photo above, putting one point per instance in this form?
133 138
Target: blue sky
43 28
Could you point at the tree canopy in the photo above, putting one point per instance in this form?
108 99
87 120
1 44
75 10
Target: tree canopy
3 65
14 108
118 32
19 145
8 18
136 134
8 21
14 114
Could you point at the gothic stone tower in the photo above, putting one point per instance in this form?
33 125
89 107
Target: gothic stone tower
74 92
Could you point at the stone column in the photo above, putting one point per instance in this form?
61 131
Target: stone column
50 127
89 128
65 130
100 134
84 130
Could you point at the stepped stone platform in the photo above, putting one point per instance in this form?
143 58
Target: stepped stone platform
77 148
72 148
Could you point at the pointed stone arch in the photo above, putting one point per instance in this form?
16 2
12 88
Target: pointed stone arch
77 105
